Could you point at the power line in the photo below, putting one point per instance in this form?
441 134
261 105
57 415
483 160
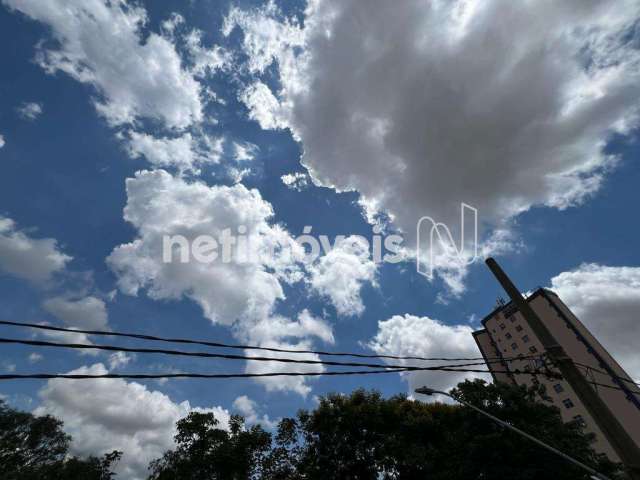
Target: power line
595 473
612 387
235 346
74 376
607 373
82 346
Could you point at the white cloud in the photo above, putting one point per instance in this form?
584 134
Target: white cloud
242 292
87 313
101 43
35 357
107 414
159 204
30 110
606 299
295 181
445 106
238 174
244 152
249 410
21 255
341 273
119 359
2 141
184 153
264 107
409 335
205 61
8 367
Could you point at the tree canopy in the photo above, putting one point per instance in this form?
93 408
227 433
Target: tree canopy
361 436
364 436
35 447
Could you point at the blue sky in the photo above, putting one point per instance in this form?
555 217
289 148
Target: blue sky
557 210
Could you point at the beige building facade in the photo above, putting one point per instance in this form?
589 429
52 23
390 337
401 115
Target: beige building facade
511 348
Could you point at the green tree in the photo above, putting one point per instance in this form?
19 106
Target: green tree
33 447
206 452
363 436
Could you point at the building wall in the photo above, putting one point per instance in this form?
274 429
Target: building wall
507 334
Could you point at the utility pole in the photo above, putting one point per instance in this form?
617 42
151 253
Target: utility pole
617 436
594 473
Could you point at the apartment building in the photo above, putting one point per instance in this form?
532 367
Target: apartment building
507 337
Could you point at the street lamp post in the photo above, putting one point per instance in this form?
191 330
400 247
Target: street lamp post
594 474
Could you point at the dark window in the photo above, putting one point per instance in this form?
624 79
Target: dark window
512 319
567 403
508 335
502 326
579 420
558 388
514 345
525 339
509 310
518 328
539 362
533 349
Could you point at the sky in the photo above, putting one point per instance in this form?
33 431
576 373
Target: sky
123 123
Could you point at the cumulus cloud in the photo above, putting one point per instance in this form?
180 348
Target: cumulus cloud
2 141
185 152
119 359
502 107
111 414
295 181
33 259
243 290
30 110
206 61
264 107
87 313
162 205
249 410
35 357
341 273
244 151
101 44
409 335
277 331
606 299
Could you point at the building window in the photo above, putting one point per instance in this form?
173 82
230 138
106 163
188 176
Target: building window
518 328
525 339
567 403
579 420
514 345
533 349
558 388
508 335
512 319
502 326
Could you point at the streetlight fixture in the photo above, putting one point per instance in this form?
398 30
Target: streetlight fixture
595 475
